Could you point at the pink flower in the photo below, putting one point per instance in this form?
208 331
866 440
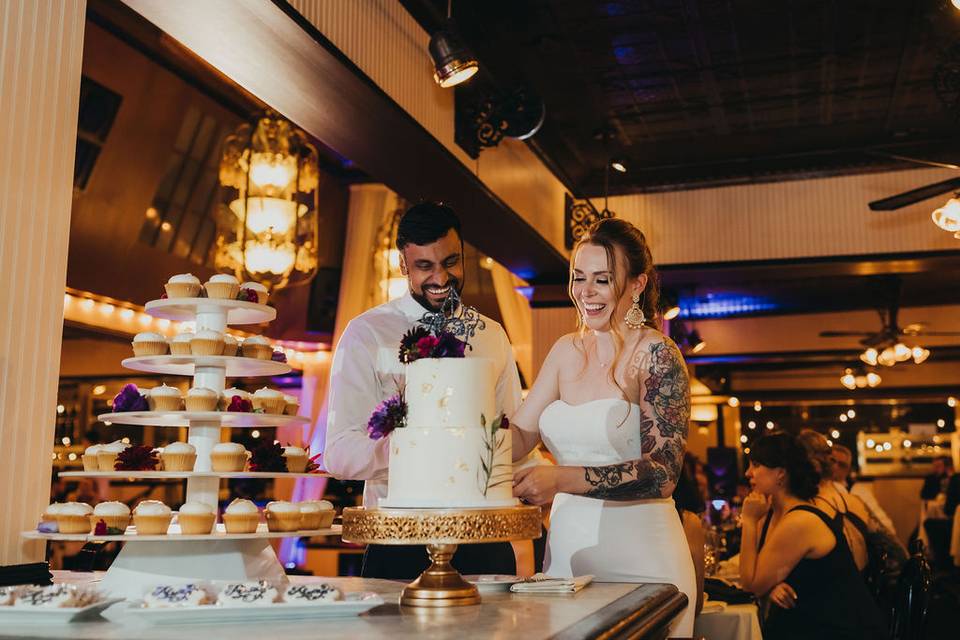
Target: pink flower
425 345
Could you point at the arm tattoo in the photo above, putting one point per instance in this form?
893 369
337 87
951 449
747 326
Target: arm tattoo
663 437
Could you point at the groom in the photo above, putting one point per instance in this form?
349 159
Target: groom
366 370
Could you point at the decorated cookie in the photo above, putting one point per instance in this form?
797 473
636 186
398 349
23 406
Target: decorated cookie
243 594
185 595
306 593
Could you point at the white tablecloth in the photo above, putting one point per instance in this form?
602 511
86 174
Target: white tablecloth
734 622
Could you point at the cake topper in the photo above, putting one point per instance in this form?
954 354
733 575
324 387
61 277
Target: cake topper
461 320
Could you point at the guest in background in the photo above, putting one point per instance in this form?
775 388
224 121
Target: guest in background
690 507
936 483
805 566
842 459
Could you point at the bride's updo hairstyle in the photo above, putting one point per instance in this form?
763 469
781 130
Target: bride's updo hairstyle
628 255
784 451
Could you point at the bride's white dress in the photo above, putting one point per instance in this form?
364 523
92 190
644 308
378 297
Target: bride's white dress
639 541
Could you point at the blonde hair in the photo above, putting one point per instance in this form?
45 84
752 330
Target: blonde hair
620 238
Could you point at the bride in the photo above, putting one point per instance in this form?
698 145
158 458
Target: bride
611 402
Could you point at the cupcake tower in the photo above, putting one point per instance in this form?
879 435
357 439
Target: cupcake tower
241 553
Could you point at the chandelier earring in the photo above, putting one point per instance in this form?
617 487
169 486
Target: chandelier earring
635 316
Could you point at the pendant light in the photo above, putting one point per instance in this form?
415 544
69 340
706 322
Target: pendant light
453 62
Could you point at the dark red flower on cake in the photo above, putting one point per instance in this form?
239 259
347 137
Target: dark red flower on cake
137 458
425 346
248 295
240 404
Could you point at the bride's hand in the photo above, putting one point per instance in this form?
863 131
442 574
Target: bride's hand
537 485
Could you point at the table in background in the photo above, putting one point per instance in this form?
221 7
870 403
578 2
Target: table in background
734 622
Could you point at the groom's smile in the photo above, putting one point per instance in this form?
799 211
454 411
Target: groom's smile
434 269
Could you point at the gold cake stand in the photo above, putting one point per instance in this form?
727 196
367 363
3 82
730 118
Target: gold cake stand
440 530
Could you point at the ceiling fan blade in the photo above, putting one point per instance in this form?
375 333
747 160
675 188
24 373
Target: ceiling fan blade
915 195
929 163
846 334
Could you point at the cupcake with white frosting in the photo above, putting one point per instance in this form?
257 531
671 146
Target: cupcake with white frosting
179 456
180 344
152 518
196 518
164 398
207 343
269 400
89 458
228 456
74 517
291 405
183 285
50 513
256 347
222 286
107 455
116 515
241 516
201 399
296 459
316 514
149 343
230 345
282 516
249 290
228 395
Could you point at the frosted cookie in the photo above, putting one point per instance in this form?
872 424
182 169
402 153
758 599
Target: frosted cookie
308 593
51 596
186 595
242 594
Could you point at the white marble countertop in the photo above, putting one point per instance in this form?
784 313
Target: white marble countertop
501 615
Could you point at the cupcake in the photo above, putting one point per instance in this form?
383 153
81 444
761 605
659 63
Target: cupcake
229 394
179 456
256 347
241 516
228 456
50 513
152 518
201 399
222 286
207 343
116 515
196 518
251 290
296 459
282 516
164 398
316 514
74 517
107 456
291 406
270 400
230 345
184 285
180 344
149 344
89 458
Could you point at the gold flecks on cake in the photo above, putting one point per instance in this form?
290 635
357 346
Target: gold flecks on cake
451 480
445 398
457 432
426 388
460 465
396 451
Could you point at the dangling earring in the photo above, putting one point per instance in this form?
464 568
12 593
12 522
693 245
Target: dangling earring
635 317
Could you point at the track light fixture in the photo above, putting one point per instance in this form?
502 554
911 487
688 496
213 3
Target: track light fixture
453 62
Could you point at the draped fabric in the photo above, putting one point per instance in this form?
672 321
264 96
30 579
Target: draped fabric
517 318
371 205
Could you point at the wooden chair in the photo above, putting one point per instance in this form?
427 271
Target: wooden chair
908 617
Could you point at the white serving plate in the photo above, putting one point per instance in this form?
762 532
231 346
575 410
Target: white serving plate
353 604
183 365
54 615
492 582
186 475
238 311
173 535
185 418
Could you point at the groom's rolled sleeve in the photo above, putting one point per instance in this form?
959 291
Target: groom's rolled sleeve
349 453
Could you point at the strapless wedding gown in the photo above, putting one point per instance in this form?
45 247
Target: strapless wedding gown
638 541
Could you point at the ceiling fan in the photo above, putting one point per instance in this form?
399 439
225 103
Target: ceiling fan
919 194
887 288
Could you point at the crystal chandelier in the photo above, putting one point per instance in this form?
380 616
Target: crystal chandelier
267 228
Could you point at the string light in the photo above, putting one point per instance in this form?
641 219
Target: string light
951 401
870 443
255 433
106 308
851 414
127 314
751 425
770 426
907 444
835 434
757 406
734 401
744 439
843 417
61 408
66 441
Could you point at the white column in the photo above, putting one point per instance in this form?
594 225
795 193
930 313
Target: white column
41 46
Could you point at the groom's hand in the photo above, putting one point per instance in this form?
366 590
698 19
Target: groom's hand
537 485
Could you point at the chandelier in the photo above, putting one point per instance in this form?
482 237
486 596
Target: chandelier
859 378
894 353
947 217
267 226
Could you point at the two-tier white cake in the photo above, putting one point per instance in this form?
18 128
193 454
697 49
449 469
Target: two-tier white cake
450 454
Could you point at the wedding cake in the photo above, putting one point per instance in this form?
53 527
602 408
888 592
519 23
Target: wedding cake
451 451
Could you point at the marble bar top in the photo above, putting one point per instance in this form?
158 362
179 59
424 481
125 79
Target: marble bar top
624 610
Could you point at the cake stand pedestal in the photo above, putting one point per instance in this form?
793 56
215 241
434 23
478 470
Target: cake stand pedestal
441 530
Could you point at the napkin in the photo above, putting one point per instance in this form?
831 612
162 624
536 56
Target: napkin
541 583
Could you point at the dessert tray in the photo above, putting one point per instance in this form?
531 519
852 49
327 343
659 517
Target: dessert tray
183 365
184 418
55 615
173 534
353 604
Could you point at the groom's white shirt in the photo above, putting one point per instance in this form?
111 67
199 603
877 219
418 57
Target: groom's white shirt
366 370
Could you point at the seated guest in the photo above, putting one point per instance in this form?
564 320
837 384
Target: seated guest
936 483
842 459
819 592
690 506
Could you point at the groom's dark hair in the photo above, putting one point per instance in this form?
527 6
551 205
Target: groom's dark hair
425 223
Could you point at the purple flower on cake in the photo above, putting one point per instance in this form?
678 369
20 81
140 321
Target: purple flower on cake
129 399
389 415
278 356
449 346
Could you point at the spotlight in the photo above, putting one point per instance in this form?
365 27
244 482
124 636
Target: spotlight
452 60
697 344
619 164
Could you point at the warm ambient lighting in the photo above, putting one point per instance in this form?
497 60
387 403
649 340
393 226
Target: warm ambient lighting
733 401
870 356
951 401
858 380
835 434
757 406
843 417
697 344
672 312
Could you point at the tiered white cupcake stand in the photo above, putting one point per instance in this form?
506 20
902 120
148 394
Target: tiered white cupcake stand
153 559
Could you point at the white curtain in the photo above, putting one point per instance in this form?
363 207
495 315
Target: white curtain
517 318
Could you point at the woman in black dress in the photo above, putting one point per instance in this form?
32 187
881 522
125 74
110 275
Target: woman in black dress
807 551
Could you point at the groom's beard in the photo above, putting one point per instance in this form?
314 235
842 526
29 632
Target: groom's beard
429 304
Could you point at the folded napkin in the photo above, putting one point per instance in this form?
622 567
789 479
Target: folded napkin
541 583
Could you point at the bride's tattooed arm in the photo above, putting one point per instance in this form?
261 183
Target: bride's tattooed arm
666 394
